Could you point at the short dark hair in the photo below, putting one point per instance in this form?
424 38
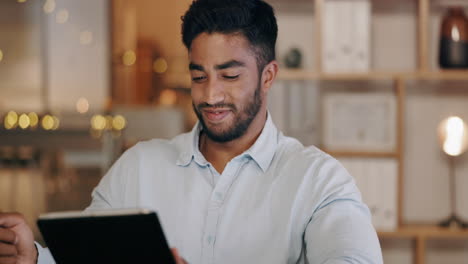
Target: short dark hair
254 19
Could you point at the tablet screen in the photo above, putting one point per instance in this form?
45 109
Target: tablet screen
105 237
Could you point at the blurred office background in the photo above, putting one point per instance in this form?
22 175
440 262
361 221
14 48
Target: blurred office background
81 81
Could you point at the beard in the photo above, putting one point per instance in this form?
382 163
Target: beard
242 118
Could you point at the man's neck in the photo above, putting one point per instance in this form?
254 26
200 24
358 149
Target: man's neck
220 153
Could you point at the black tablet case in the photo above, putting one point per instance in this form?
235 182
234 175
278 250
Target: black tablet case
121 239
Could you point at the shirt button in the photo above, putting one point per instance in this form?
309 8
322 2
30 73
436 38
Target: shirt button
219 195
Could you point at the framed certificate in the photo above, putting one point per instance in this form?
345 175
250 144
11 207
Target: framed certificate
359 122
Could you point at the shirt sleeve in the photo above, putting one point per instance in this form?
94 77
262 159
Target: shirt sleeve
117 188
44 256
340 229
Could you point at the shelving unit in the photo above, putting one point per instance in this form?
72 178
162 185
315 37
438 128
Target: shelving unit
423 72
419 67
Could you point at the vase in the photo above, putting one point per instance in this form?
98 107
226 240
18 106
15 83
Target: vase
453 51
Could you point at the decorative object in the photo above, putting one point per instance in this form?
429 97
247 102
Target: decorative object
346 38
453 49
453 135
359 122
293 58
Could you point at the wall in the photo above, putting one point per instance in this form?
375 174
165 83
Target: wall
45 67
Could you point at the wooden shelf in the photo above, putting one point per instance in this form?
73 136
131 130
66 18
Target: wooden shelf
426 232
368 154
183 79
438 75
287 74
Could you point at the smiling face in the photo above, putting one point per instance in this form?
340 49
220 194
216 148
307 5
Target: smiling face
227 90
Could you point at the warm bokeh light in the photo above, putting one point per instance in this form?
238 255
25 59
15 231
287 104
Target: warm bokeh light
56 123
168 97
11 120
129 58
119 122
1 55
24 121
33 119
49 6
62 16
453 133
98 122
82 105
86 37
160 65
21 1
47 122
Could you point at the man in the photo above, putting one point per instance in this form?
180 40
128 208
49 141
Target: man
234 189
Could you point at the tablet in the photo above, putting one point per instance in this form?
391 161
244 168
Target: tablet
110 236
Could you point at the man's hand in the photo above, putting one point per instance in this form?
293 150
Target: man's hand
177 257
16 240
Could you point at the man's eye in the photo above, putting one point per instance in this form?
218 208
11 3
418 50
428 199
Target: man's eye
197 79
231 77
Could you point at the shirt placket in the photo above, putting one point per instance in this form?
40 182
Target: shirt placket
214 209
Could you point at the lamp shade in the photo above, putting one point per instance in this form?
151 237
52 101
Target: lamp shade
453 136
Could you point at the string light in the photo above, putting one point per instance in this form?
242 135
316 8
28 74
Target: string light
98 122
56 124
160 65
119 122
113 124
47 122
30 120
10 120
33 119
24 121
129 58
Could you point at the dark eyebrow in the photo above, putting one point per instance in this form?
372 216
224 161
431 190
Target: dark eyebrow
229 64
196 67
226 65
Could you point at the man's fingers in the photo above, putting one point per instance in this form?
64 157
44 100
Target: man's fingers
7 250
8 260
175 253
177 257
10 219
8 236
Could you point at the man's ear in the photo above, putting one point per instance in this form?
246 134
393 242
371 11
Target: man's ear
269 75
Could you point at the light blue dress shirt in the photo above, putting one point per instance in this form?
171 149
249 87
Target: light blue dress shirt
278 202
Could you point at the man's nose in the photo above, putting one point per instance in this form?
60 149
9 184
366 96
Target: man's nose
214 92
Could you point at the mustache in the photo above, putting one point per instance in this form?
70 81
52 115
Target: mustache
218 105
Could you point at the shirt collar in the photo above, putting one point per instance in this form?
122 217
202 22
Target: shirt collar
262 151
190 148
264 148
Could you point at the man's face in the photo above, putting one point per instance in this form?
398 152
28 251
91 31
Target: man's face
226 90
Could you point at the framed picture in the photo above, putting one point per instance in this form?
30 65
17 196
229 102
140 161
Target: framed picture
359 122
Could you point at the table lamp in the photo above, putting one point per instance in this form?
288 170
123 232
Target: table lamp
453 135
